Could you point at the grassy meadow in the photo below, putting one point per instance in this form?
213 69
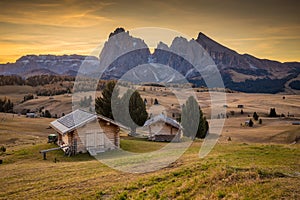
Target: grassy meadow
260 162
233 170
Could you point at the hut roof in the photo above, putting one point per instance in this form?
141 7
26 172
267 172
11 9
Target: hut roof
77 119
72 121
112 121
163 118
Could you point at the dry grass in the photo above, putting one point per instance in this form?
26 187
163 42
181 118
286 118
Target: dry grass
56 105
231 171
16 131
15 92
241 169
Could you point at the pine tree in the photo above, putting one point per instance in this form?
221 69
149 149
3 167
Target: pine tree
193 122
47 114
203 127
132 110
251 123
6 105
103 103
272 113
255 116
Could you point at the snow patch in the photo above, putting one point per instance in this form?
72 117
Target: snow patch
252 66
189 72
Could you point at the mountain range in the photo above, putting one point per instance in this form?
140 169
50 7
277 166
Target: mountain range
124 56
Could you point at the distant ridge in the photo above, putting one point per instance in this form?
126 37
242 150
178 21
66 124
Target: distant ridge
240 72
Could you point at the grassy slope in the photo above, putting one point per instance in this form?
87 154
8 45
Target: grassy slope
17 131
232 171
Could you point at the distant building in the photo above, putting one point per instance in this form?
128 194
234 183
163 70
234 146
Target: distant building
240 106
82 131
163 129
31 115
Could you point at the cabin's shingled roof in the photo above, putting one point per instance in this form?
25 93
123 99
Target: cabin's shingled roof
163 118
77 119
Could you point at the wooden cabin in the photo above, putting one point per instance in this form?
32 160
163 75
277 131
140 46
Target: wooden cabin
81 131
163 129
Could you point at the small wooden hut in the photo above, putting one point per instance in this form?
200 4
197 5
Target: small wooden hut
163 129
82 131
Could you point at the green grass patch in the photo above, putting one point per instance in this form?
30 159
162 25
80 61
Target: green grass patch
140 145
230 171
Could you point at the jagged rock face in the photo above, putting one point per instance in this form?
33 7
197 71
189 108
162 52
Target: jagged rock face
117 31
239 72
122 55
247 73
228 60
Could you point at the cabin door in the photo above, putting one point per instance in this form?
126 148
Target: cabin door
99 140
94 140
90 140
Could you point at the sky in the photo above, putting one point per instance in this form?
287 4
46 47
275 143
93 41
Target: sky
263 28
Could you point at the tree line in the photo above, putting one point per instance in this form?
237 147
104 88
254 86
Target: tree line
33 80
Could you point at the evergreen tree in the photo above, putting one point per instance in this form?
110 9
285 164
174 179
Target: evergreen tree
272 113
255 116
103 103
193 122
6 105
203 127
47 114
131 103
251 123
85 102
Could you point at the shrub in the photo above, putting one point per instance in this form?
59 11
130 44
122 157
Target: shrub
2 148
221 194
28 97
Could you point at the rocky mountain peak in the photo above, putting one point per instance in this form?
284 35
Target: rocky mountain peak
118 44
162 46
117 31
210 45
122 53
